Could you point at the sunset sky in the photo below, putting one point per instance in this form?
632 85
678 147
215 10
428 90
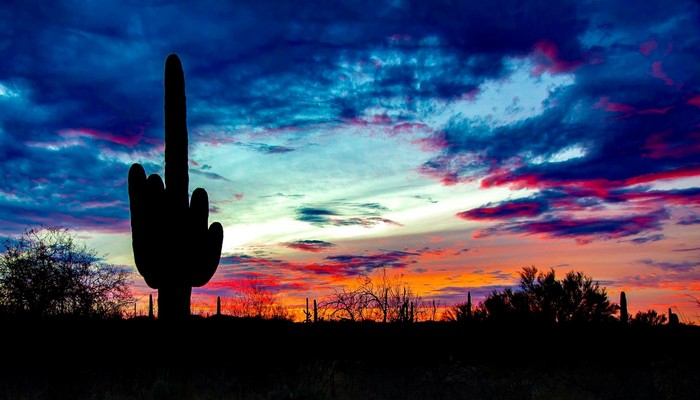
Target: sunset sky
452 142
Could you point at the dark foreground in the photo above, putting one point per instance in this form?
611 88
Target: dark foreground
249 359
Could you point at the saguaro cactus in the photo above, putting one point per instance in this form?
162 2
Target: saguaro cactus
173 248
150 306
469 304
624 317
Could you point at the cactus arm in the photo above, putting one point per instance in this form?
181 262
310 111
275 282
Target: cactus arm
211 254
144 195
208 241
176 174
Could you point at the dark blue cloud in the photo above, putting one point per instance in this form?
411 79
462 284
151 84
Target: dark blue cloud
265 148
313 246
316 216
648 239
366 263
584 230
69 187
685 266
344 214
693 219
507 210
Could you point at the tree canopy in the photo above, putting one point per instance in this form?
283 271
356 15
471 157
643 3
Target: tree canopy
47 272
541 296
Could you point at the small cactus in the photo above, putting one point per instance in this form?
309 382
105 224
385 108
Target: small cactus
469 304
218 305
173 248
624 316
150 306
672 318
307 313
315 312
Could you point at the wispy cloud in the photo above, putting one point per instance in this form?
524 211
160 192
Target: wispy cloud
344 214
683 266
584 230
313 246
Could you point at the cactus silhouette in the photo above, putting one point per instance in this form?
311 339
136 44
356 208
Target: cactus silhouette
150 306
624 317
173 248
469 304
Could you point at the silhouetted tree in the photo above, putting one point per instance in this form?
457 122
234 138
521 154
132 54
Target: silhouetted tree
576 298
346 304
378 297
648 317
173 248
457 313
47 272
254 300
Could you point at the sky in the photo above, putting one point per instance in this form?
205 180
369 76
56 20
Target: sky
450 143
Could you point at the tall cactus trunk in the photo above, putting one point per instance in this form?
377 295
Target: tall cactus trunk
173 248
624 317
218 305
174 302
315 312
150 306
469 304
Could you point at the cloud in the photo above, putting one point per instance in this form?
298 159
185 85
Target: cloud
692 219
313 246
283 195
344 214
689 249
244 281
506 210
335 266
265 148
210 175
451 295
648 239
684 266
584 230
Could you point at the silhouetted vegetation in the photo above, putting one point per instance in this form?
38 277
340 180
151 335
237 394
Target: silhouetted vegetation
462 312
173 248
541 297
241 358
379 298
254 300
47 272
649 317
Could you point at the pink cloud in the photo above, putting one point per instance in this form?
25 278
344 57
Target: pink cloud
546 55
608 106
694 101
657 146
657 71
128 141
648 46
508 210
